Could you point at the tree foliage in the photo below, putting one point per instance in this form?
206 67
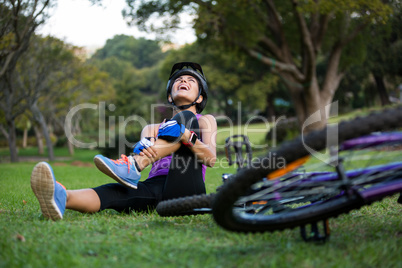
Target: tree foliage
133 68
291 37
18 21
139 53
384 57
376 77
50 79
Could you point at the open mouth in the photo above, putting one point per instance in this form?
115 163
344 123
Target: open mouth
184 87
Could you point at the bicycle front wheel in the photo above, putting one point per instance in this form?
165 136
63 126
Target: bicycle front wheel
248 203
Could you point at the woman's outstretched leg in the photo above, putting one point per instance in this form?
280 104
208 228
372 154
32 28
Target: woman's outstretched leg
83 200
51 195
54 198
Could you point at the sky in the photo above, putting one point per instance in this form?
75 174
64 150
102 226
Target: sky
79 23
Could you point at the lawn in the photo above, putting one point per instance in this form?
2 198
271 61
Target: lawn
370 237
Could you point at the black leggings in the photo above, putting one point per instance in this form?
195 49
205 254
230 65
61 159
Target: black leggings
184 179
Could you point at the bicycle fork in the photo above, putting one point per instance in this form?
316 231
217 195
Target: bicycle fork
315 234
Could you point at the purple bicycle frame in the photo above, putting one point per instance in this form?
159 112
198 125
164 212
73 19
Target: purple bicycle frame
371 140
372 193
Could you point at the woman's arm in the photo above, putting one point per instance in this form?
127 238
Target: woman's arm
150 131
205 150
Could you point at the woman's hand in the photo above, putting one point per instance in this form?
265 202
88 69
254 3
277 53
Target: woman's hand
186 136
149 152
145 147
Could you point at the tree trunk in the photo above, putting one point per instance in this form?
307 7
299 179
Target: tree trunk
12 141
69 144
39 141
270 109
41 120
307 104
381 89
296 95
228 108
316 116
49 144
70 148
25 138
310 107
4 131
299 104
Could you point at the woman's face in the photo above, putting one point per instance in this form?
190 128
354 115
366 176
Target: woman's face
185 90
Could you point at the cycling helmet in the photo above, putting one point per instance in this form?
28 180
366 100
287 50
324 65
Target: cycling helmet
195 70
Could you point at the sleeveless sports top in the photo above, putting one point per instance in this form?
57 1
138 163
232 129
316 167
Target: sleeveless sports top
161 167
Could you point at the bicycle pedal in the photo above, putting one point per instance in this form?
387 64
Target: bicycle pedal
315 234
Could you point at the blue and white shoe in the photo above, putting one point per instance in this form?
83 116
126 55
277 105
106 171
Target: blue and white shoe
122 170
52 195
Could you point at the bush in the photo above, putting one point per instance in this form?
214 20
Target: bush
284 130
122 145
61 142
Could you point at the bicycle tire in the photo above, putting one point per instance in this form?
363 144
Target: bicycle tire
191 205
224 209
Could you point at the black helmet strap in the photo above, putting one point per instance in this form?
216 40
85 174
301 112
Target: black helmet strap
186 106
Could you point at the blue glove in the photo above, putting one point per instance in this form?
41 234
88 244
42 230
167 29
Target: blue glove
171 131
142 144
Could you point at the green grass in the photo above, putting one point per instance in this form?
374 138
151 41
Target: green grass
370 237
255 132
25 154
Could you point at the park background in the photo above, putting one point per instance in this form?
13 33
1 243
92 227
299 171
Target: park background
263 60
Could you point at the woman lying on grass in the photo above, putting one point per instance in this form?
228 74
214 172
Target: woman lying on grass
178 149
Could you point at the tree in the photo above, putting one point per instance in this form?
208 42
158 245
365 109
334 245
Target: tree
85 84
376 77
291 37
384 57
139 53
50 79
132 65
62 80
43 66
18 21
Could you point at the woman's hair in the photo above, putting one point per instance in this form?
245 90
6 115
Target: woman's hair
195 70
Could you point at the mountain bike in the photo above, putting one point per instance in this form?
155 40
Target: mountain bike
361 164
238 153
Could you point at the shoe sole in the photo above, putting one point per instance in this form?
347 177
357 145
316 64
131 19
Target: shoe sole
102 166
43 185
